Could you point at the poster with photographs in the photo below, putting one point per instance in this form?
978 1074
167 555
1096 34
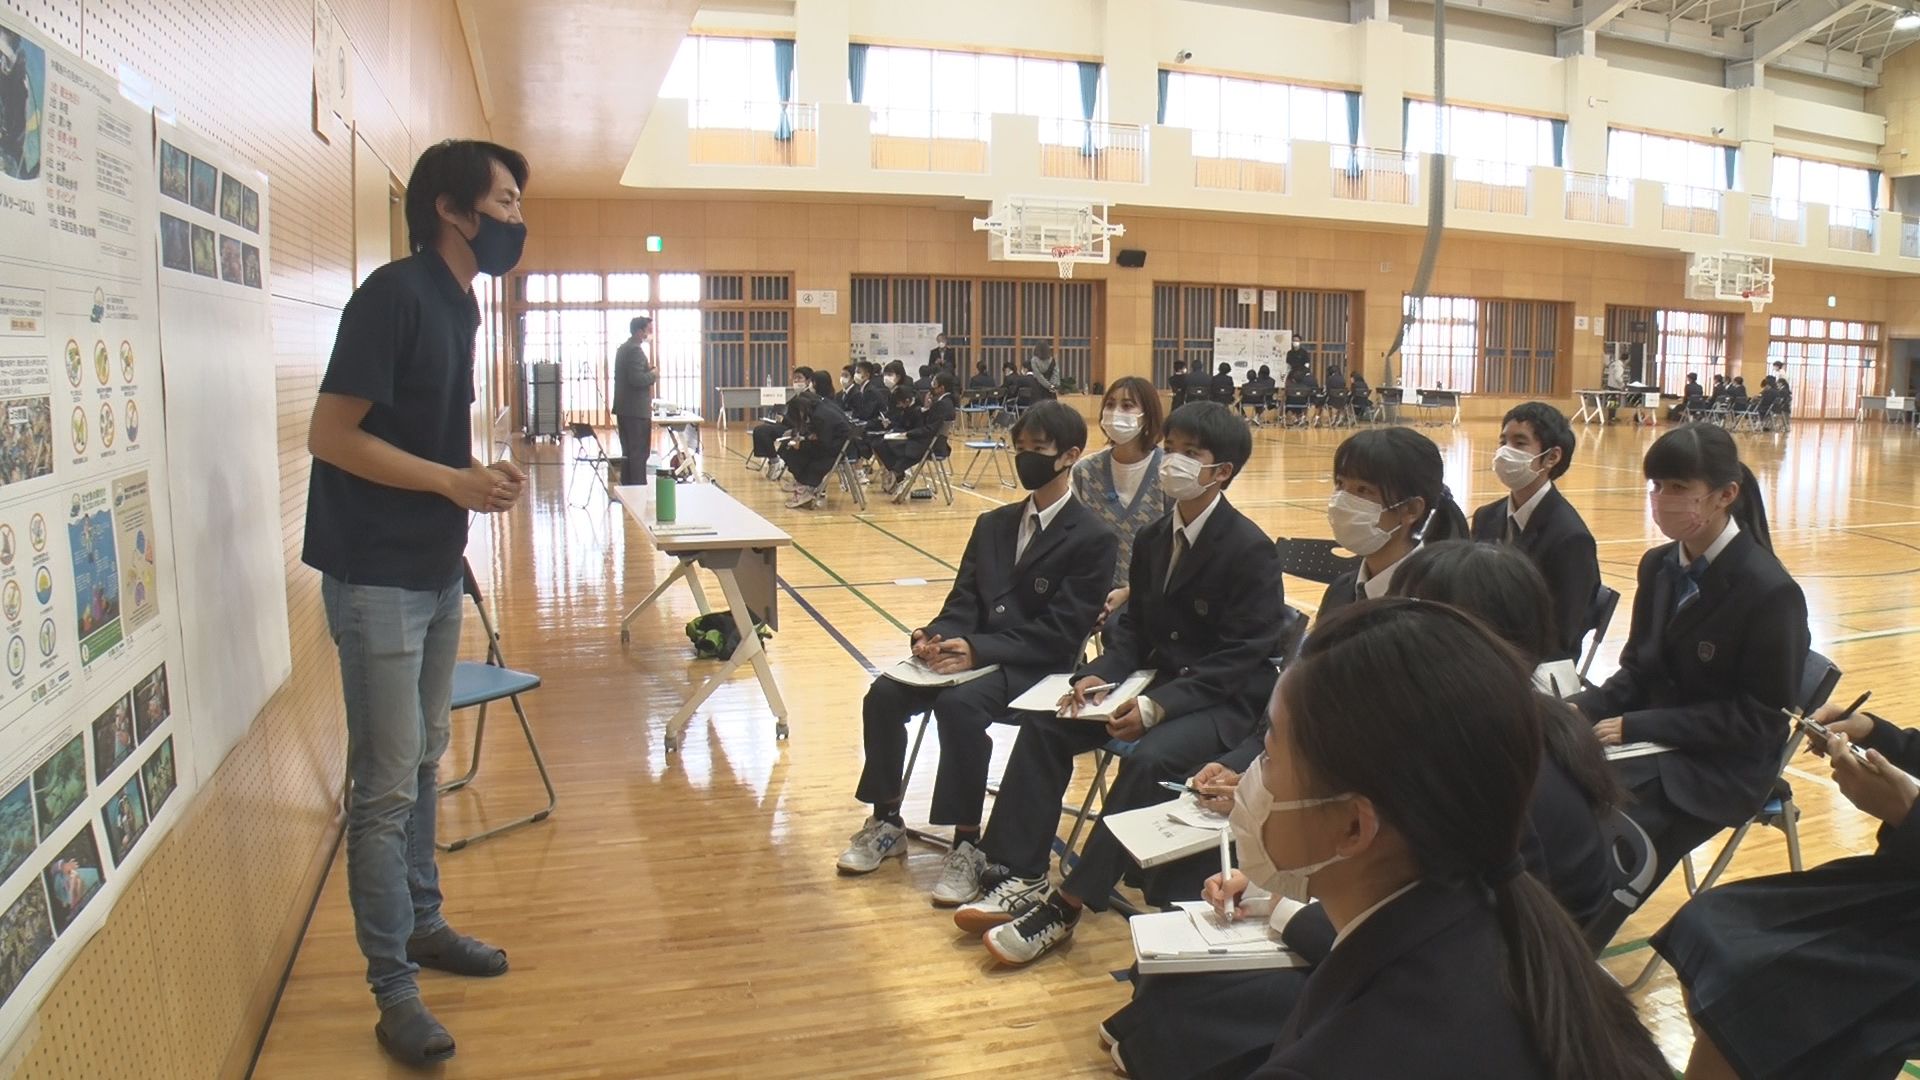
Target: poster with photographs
217 353
91 697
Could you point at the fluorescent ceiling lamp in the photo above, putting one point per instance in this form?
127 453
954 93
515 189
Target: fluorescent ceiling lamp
1908 20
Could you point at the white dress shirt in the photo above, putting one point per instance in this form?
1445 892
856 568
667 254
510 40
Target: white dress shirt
1032 522
1524 513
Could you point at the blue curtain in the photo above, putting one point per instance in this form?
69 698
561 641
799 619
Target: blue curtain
783 82
1873 188
1406 122
856 72
1733 167
1559 143
1353 117
1089 99
1160 113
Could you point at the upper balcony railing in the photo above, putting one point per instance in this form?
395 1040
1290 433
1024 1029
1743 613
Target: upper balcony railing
1093 150
1690 209
930 140
754 133
1231 162
1852 230
1387 176
1492 187
1909 236
1602 200
1776 220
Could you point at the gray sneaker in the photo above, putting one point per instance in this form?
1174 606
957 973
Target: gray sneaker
875 843
1007 899
960 876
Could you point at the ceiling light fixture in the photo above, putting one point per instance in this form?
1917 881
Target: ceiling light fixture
1907 20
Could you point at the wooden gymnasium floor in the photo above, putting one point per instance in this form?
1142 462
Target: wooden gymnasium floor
682 916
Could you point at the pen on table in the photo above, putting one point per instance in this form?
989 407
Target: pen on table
1226 872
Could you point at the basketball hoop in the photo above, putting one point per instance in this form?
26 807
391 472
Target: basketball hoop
1060 231
1063 254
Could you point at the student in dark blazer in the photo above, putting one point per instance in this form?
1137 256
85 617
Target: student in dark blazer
1220 390
1177 383
1718 641
768 432
1028 590
981 383
1190 1026
1536 448
896 456
1389 496
1205 590
1843 938
820 430
1403 748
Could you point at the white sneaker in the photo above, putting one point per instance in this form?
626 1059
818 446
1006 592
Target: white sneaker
875 843
1007 899
1030 936
960 876
802 499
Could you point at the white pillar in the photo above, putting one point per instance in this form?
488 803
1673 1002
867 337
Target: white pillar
1133 65
820 51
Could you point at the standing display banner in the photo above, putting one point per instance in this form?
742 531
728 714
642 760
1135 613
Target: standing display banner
217 352
1249 350
96 758
909 343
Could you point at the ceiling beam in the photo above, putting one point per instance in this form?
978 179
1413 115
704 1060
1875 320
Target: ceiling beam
1595 14
1793 23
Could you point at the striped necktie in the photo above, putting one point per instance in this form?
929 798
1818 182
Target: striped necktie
1688 587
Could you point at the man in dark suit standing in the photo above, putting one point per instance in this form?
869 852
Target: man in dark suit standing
1028 590
1204 617
633 401
1177 383
944 357
1536 448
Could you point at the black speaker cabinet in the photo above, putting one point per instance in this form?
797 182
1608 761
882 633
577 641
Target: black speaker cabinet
1132 258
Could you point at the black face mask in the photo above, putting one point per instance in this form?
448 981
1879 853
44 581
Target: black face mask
497 244
1034 468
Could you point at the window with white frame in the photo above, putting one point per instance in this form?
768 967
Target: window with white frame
1441 348
1252 120
1695 172
727 83
929 93
1487 146
1848 188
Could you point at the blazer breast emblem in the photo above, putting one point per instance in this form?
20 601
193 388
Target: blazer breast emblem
1200 607
1705 652
1040 585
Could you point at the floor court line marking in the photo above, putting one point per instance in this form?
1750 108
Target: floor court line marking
864 598
832 631
870 523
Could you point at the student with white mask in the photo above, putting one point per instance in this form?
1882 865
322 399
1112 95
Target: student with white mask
1121 484
1402 750
1389 495
1536 449
1717 644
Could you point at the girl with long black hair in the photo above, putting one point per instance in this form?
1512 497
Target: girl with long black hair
1389 496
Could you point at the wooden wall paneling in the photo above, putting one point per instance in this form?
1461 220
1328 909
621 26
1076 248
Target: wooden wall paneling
178 982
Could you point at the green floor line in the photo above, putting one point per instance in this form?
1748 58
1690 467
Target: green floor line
864 520
1912 1069
864 598
1623 948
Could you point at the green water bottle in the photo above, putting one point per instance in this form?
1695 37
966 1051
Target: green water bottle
663 495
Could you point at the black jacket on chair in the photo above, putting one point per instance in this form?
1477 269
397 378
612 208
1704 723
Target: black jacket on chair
1561 546
1711 679
1033 615
830 427
1425 974
1212 630
1221 389
865 404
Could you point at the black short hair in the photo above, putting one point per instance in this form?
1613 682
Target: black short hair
944 380
462 170
1693 376
1179 365
639 324
1225 368
1550 429
868 366
1215 429
823 382
926 370
980 366
1061 424
1043 349
803 373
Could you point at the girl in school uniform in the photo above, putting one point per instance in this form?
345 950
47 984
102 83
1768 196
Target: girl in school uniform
1121 484
1817 974
1389 496
1718 641
1402 751
1221 1026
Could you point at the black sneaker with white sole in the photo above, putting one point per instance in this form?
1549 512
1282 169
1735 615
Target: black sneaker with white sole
1007 898
1032 935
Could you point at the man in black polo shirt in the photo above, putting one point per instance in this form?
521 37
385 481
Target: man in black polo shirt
394 480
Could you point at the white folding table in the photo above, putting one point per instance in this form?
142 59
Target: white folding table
711 529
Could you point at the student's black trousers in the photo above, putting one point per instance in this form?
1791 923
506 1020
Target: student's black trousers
1027 810
962 714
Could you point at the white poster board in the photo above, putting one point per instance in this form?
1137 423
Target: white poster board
1247 350
95 759
217 352
909 343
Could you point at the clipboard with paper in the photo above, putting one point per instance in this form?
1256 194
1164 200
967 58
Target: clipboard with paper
1045 695
911 672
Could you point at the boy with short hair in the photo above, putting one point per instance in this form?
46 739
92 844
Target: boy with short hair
1536 448
1028 590
1204 616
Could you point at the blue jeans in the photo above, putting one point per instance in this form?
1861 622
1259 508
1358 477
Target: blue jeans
397 650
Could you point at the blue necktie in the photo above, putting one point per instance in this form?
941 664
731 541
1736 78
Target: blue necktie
1688 587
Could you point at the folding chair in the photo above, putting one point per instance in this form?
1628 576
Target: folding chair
598 462
480 684
1631 851
932 466
1295 413
1340 408
849 474
1817 680
1606 600
1313 559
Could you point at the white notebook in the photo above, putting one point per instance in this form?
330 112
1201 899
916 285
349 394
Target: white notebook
1172 942
912 672
1045 696
1156 834
1634 750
